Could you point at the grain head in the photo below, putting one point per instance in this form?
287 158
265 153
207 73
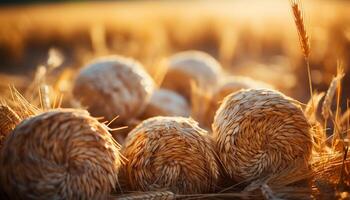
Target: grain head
59 154
189 66
172 153
258 132
166 103
112 86
300 24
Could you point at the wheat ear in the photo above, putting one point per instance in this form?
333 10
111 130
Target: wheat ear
303 37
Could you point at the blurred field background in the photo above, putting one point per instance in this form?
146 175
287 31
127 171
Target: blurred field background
253 38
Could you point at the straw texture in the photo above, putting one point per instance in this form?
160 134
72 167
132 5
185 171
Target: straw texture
172 153
60 154
260 131
229 85
189 66
166 103
8 121
112 86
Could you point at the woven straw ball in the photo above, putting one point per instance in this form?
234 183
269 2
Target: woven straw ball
59 154
196 66
114 86
166 103
172 153
260 131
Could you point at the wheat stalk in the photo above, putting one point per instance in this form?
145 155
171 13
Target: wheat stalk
327 103
44 94
303 37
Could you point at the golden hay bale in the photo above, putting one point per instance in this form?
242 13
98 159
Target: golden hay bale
59 154
166 103
170 152
112 86
260 131
8 121
227 86
189 66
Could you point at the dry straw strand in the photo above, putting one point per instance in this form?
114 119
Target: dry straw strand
44 94
268 193
327 103
312 105
20 104
8 121
152 195
318 132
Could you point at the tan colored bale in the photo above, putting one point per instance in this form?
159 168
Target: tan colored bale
60 154
188 66
114 86
170 152
259 132
166 103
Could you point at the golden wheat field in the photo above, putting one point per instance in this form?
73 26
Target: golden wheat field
175 100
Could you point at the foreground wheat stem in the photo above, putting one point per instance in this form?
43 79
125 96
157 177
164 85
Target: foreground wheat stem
303 38
310 81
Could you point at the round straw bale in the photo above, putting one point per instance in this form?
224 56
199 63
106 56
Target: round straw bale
59 154
260 131
114 86
188 66
170 152
166 103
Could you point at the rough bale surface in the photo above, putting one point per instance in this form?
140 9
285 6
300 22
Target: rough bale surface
260 131
8 121
166 103
189 66
114 86
60 154
170 152
227 86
